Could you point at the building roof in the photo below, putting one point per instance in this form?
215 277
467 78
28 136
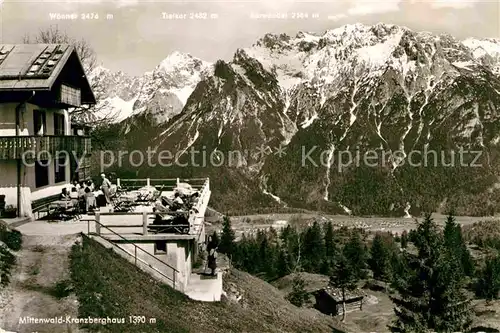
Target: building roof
34 66
336 293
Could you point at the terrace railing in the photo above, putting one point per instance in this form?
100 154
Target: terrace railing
165 183
137 261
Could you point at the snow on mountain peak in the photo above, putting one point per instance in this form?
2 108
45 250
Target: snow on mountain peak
482 47
162 92
98 71
486 51
358 50
323 58
350 52
181 61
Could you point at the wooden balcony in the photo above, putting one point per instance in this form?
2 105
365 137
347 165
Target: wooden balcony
43 147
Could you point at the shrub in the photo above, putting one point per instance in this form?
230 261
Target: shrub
14 240
62 289
298 296
7 261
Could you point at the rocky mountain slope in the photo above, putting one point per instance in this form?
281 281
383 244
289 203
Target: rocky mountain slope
286 113
161 93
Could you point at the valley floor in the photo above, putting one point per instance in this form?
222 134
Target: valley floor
249 223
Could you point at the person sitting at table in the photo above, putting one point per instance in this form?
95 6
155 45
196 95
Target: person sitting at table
178 203
73 195
64 194
90 185
90 201
81 190
81 196
191 200
160 209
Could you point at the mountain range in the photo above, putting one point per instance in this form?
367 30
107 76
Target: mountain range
285 114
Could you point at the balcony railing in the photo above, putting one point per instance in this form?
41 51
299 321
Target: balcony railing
43 147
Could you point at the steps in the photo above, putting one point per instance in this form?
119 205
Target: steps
204 288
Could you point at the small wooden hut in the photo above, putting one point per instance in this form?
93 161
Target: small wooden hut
329 300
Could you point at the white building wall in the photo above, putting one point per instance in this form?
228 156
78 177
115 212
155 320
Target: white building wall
27 124
177 255
8 168
7 119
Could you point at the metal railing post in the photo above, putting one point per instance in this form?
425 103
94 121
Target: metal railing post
177 183
98 223
144 223
148 182
118 182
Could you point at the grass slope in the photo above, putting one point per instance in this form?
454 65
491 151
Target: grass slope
108 286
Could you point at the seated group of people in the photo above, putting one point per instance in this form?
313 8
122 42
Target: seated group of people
83 193
180 203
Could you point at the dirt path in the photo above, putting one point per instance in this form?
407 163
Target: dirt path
41 263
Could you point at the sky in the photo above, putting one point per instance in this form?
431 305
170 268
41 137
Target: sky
134 36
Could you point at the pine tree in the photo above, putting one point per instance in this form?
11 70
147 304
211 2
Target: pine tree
380 261
255 261
404 239
399 268
294 246
241 260
298 296
454 242
286 234
283 266
314 248
356 254
488 282
227 244
331 247
431 297
331 250
344 278
267 253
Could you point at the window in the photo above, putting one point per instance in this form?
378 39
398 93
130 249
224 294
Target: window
60 170
70 96
41 173
40 123
59 124
84 168
160 247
